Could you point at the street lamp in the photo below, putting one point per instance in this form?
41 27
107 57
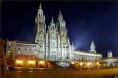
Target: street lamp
72 62
98 64
81 63
89 64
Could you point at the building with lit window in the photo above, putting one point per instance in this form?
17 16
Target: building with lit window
24 49
109 61
85 59
88 56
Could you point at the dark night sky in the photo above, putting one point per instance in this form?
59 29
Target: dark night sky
86 21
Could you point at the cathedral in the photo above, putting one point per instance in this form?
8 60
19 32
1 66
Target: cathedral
51 43
54 42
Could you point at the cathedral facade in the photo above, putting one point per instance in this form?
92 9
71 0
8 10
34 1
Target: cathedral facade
51 43
54 42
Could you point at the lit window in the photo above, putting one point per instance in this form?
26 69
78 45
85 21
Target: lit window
35 52
8 51
18 52
9 43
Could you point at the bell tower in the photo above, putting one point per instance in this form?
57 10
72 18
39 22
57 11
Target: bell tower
64 45
109 54
40 30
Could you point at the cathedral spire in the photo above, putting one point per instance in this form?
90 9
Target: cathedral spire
52 21
40 7
60 11
60 16
92 43
72 46
52 24
92 47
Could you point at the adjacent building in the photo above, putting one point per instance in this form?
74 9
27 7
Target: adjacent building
20 48
109 61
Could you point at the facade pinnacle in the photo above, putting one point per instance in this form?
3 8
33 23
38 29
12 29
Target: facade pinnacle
52 21
40 7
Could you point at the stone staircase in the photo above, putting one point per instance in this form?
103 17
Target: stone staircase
63 64
54 65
